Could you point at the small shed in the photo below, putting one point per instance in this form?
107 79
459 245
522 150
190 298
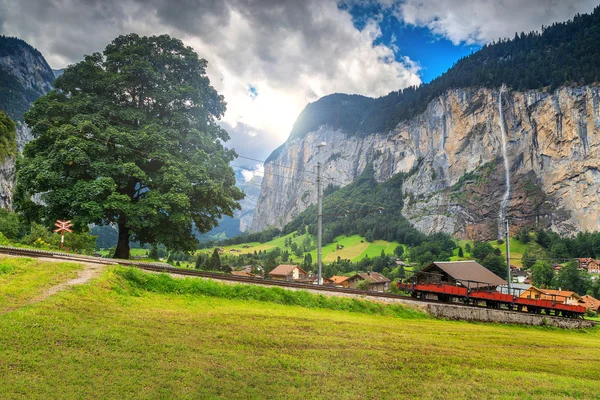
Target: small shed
285 272
376 281
469 274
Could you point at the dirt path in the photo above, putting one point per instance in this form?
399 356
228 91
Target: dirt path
89 272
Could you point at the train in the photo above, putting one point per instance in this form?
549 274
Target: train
481 294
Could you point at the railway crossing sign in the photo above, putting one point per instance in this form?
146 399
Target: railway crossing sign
62 227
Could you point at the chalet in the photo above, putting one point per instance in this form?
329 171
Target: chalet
562 296
376 281
286 272
590 303
469 274
558 296
518 275
532 293
340 281
589 264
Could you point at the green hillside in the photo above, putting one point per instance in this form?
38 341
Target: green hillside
355 247
128 336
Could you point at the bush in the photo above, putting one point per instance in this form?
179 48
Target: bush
590 313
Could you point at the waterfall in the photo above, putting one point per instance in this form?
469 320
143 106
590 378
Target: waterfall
502 213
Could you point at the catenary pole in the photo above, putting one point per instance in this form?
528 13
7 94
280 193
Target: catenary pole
319 220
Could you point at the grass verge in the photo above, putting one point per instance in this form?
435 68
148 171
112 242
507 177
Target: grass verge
23 279
134 280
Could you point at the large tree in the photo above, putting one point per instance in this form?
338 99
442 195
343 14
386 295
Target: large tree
130 137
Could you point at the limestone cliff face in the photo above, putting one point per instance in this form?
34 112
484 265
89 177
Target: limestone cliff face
25 76
453 153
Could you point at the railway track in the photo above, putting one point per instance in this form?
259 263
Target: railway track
159 267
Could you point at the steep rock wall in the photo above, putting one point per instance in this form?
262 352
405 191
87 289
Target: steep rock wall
552 148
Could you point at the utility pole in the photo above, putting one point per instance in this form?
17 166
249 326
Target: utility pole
319 219
508 255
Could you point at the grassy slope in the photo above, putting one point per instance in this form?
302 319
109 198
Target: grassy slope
355 248
95 342
517 249
22 279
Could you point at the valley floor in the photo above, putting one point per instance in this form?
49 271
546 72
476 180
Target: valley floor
107 339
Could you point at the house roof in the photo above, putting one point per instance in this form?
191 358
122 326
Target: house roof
339 279
372 277
242 273
590 302
467 272
285 270
561 293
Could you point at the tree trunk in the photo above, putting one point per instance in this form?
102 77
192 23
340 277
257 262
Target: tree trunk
122 250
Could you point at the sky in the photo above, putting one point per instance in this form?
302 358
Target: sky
271 58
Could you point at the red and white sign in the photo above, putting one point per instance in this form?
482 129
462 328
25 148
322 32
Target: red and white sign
62 227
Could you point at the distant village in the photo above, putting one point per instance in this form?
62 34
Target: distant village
522 284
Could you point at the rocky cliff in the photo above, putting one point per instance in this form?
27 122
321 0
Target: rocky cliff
452 156
24 76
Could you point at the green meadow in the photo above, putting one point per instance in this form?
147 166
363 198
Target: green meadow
130 334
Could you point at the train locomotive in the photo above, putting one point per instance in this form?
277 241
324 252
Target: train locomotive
470 283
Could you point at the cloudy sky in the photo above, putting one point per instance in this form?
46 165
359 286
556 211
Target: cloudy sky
270 58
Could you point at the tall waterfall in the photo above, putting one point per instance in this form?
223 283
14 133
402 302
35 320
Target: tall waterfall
502 213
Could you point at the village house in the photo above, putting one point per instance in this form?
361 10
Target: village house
590 303
469 274
563 296
340 281
286 272
518 275
376 281
558 296
589 264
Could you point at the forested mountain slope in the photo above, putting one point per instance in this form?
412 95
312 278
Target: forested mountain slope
446 137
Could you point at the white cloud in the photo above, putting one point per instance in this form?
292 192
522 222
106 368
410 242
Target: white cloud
250 174
290 52
479 22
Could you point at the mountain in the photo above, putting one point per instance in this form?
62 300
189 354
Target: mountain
446 140
24 76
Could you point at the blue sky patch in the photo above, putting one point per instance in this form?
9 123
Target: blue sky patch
434 54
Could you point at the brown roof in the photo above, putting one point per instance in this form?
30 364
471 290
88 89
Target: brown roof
590 302
372 277
465 271
285 270
339 279
561 293
242 273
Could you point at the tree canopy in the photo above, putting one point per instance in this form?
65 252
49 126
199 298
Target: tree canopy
130 137
8 137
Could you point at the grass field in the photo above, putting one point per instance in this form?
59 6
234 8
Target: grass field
22 279
115 339
355 248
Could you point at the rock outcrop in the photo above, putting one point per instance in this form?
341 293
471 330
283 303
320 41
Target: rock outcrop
25 76
452 156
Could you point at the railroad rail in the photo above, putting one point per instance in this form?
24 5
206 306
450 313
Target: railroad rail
161 267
